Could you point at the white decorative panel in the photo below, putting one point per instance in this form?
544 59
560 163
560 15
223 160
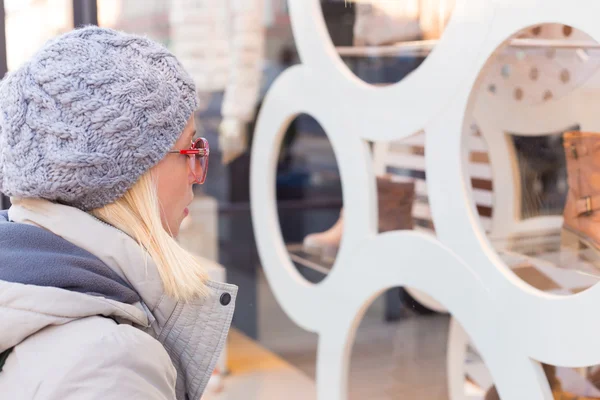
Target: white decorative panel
512 325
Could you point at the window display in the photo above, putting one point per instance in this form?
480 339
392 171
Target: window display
405 158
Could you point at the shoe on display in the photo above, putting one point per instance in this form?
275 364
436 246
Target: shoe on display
395 200
325 244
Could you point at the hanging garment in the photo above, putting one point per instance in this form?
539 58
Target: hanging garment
221 44
386 22
434 16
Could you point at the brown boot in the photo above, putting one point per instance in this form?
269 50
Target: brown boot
395 201
581 226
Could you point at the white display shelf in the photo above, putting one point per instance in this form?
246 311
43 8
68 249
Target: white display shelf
307 260
422 48
537 258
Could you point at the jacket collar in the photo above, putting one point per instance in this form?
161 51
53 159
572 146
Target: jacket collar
193 333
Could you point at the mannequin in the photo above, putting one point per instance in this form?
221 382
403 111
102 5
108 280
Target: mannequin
221 43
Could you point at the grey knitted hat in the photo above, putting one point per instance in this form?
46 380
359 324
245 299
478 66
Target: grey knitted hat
89 114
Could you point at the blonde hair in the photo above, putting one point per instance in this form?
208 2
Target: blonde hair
137 213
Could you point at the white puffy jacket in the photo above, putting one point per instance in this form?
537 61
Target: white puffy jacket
64 348
221 44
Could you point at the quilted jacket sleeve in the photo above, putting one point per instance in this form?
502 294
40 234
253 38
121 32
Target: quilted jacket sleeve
247 41
125 364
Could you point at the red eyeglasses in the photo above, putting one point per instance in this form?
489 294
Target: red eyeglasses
198 155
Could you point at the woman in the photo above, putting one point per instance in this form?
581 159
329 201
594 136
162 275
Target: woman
97 300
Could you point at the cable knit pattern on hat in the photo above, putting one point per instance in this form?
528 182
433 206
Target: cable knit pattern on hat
89 114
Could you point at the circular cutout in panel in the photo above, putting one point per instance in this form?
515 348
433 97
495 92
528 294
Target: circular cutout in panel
309 198
383 41
543 177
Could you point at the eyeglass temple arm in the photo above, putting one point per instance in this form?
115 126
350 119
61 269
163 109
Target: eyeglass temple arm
201 152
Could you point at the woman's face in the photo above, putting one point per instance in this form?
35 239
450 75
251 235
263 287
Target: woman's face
174 182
